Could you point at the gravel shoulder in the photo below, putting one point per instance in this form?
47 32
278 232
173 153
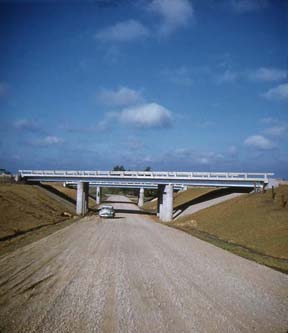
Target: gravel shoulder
131 274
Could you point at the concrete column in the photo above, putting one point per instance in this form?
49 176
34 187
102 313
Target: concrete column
141 197
82 198
98 195
166 210
160 198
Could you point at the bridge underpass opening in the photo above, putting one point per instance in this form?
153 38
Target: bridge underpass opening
165 182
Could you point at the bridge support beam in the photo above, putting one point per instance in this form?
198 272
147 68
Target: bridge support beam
82 198
141 197
165 202
98 195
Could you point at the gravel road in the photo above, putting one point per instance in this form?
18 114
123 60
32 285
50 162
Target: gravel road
131 274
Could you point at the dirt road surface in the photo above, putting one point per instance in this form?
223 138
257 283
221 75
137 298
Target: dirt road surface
131 274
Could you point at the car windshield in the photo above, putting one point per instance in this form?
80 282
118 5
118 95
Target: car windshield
107 207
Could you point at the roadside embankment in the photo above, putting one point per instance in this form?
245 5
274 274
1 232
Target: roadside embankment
253 225
25 209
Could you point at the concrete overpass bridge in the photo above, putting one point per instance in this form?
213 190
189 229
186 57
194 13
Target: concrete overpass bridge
165 182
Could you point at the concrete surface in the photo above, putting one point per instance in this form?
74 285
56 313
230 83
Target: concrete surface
130 274
205 204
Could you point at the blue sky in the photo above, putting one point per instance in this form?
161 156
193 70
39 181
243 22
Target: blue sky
171 84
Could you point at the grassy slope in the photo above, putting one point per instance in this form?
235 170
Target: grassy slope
25 207
70 192
180 197
255 221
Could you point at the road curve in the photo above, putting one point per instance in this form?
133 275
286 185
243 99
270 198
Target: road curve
131 274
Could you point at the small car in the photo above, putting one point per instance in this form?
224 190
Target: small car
107 211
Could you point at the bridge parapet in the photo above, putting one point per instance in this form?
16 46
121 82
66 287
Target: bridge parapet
161 175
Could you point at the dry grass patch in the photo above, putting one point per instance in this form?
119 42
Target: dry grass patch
25 207
252 221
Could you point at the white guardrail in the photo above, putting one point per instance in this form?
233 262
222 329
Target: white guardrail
148 175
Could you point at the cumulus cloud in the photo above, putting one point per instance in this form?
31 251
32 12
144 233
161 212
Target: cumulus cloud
279 93
267 74
259 142
125 31
246 6
174 14
147 115
122 96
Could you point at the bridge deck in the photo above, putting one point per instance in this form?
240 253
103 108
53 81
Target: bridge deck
149 178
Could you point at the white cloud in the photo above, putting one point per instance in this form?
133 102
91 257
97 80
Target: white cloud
232 150
52 140
121 97
180 76
125 31
277 130
27 125
267 74
227 76
279 93
269 120
174 13
259 142
200 158
49 140
246 6
147 115
262 74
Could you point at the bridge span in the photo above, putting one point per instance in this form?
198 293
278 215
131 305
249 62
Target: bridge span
164 181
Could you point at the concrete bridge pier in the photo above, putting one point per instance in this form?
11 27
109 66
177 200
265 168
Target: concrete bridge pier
141 197
165 202
160 199
82 198
98 195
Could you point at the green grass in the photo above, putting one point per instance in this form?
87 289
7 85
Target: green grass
254 225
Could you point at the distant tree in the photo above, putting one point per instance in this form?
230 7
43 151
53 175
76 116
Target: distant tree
4 171
148 168
118 168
